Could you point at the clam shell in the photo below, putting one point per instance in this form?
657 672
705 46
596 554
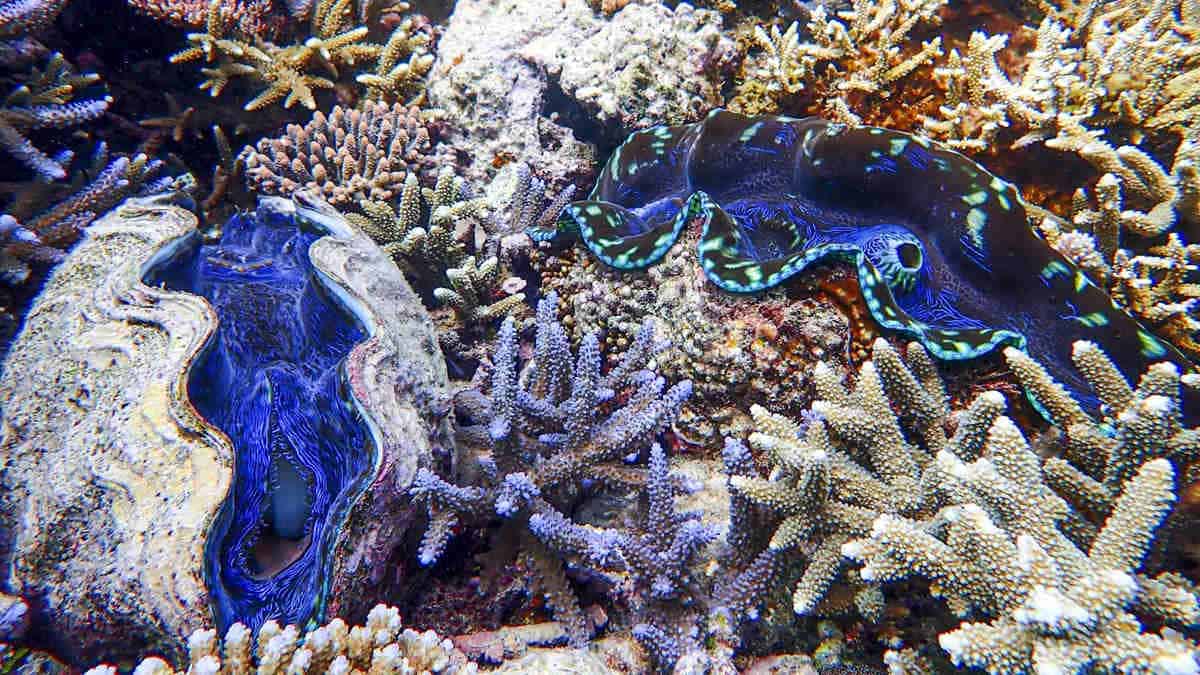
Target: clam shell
109 478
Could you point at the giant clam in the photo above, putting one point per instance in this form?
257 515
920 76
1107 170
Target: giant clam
942 248
114 480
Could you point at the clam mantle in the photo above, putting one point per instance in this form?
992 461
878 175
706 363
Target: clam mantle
111 480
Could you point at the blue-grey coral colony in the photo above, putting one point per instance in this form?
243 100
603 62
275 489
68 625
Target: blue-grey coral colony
942 247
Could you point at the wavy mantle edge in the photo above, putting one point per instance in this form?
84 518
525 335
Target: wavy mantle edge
351 268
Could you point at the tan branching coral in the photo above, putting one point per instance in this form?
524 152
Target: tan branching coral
864 50
291 74
253 18
347 156
472 289
46 99
447 241
1056 608
1048 550
383 645
1135 65
1105 81
853 461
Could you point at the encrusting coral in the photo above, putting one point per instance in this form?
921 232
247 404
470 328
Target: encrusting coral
345 156
650 64
980 515
540 433
291 74
382 645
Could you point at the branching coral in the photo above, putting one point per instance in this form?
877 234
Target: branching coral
347 156
287 73
380 646
866 51
46 100
448 240
1135 67
1102 79
1048 550
44 217
542 432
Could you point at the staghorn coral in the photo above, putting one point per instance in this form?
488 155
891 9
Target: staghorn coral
1133 202
382 645
852 461
1056 607
286 73
900 493
1109 82
347 156
470 290
733 348
47 99
539 434
454 245
1135 66
865 51
44 218
1146 424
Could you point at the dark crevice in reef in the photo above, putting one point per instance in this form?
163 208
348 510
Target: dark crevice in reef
572 115
271 379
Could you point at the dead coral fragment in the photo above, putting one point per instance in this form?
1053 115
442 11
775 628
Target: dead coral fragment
347 156
381 646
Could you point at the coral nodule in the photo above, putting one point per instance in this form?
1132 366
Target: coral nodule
942 248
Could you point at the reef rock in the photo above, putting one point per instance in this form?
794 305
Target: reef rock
111 480
503 64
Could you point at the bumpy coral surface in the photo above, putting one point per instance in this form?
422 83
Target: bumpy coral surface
650 65
345 156
1051 549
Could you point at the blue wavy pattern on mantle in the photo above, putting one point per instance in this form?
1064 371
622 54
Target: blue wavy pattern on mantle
271 380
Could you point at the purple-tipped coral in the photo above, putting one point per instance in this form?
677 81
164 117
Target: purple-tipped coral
46 217
548 431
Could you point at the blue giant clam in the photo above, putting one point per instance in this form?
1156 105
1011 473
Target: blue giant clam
942 247
253 413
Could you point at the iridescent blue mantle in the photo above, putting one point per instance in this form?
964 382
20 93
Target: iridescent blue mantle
272 380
